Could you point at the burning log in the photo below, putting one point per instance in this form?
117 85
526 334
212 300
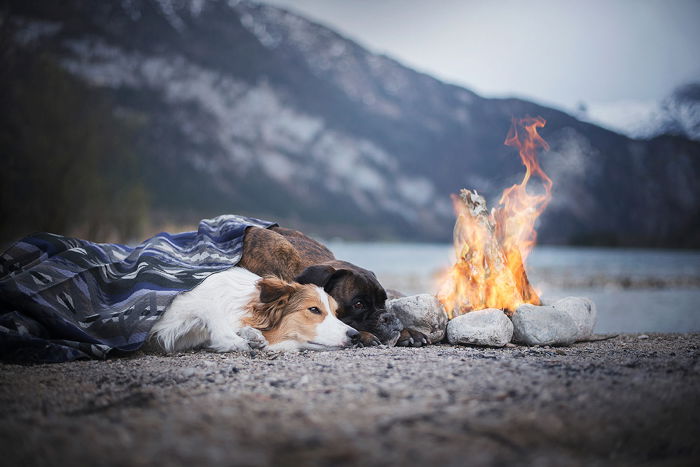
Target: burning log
514 258
481 261
491 247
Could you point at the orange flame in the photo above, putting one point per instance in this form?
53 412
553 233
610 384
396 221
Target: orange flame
491 248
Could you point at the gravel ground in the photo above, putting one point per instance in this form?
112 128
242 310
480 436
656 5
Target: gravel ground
629 400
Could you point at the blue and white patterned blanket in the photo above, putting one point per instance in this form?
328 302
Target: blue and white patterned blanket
64 298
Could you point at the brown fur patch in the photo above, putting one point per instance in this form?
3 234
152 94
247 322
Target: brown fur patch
266 252
281 252
310 251
287 316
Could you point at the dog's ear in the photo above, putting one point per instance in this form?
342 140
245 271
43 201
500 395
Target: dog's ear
273 288
321 275
272 307
318 274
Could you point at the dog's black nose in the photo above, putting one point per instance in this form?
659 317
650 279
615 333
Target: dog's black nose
352 334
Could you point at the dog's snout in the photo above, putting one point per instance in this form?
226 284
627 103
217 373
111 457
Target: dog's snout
352 334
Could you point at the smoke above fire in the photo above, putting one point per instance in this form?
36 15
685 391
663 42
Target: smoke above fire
491 248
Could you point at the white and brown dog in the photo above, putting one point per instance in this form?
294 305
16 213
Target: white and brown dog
238 310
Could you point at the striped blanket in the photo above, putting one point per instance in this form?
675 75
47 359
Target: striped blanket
64 298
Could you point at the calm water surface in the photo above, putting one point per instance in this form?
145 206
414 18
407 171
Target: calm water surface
635 290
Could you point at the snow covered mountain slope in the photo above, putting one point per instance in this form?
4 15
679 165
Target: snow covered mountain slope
248 108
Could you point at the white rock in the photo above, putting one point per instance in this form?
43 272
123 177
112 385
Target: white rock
543 325
567 321
489 327
583 311
423 313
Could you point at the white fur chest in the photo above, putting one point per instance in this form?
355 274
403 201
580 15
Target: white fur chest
210 314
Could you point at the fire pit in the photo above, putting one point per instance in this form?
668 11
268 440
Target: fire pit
488 282
486 298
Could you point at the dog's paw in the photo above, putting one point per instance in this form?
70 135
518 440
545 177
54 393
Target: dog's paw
230 343
253 337
412 338
367 339
224 347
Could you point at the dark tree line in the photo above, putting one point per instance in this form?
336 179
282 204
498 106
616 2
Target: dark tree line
69 164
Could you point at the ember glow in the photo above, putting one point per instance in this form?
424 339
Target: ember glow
492 247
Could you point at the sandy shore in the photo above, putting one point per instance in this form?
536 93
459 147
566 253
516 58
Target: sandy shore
623 401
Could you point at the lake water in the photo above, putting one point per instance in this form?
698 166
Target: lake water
634 290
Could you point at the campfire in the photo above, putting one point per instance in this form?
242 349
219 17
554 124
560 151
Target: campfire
489 276
486 298
492 247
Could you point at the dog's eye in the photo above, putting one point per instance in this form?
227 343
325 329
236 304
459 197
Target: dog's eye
315 310
359 305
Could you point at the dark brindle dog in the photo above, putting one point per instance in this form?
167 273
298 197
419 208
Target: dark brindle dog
291 255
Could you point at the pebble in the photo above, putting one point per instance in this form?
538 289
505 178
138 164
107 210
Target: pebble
383 393
303 380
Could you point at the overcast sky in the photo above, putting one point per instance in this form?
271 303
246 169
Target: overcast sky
554 51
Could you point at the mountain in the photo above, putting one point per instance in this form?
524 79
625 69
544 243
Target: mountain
241 107
680 112
677 114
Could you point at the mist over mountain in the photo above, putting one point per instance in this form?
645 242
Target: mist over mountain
677 114
245 108
680 113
